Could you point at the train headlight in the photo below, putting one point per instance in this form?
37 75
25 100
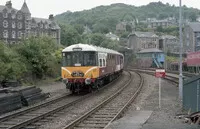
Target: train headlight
88 81
65 80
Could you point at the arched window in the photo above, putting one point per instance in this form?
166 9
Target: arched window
13 34
5 15
19 25
5 24
5 33
13 24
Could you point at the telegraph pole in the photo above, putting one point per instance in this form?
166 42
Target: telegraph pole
181 51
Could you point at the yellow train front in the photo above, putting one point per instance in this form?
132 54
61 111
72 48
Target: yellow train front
86 67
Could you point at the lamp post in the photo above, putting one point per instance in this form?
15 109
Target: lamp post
181 47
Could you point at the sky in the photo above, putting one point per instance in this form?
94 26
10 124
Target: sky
42 8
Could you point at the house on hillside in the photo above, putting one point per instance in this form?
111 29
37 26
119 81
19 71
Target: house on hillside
169 43
143 40
154 23
191 38
112 36
121 27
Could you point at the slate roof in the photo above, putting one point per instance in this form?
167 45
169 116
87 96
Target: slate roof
150 50
168 37
195 26
54 25
25 8
144 34
9 10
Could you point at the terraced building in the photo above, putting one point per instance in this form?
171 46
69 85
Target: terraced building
16 25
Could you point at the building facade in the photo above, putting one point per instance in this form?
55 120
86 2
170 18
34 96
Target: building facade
169 44
143 40
191 37
154 23
16 25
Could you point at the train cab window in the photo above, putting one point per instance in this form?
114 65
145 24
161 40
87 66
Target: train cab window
89 59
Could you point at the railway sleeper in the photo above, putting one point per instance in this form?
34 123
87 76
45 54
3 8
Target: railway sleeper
91 125
102 116
96 122
98 119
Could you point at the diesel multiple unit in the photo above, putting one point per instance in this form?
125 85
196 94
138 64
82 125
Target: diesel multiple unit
88 67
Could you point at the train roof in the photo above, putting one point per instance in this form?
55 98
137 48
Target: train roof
87 47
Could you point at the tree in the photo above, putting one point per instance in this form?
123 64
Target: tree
193 17
39 55
69 35
11 66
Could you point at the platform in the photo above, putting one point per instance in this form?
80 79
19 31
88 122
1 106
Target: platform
135 120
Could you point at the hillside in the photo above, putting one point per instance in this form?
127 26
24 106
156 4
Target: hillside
105 18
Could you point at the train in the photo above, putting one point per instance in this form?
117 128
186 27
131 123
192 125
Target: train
87 67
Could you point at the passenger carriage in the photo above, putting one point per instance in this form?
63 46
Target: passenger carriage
88 67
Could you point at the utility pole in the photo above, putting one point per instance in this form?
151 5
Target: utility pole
181 51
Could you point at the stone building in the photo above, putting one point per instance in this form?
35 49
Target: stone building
169 44
191 37
18 24
154 23
142 40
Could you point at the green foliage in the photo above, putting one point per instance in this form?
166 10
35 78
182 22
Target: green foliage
70 35
99 39
171 59
38 55
11 66
172 30
104 18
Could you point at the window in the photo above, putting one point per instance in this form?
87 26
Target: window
54 35
19 34
100 62
46 26
104 62
5 34
13 16
19 16
79 58
13 34
5 24
27 25
5 14
41 25
13 24
19 25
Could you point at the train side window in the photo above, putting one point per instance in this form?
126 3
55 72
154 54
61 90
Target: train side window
100 62
104 62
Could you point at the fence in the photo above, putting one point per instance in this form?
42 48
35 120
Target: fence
191 94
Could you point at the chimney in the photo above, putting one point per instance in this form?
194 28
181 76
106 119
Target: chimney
9 4
51 17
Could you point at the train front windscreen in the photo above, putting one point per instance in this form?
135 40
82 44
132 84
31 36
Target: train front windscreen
79 58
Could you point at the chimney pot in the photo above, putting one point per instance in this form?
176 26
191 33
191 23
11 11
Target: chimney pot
9 4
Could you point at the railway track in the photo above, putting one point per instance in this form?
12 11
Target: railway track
170 77
41 112
109 110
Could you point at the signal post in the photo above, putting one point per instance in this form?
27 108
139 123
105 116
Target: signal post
160 73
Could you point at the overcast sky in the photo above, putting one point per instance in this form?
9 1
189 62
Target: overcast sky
42 8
